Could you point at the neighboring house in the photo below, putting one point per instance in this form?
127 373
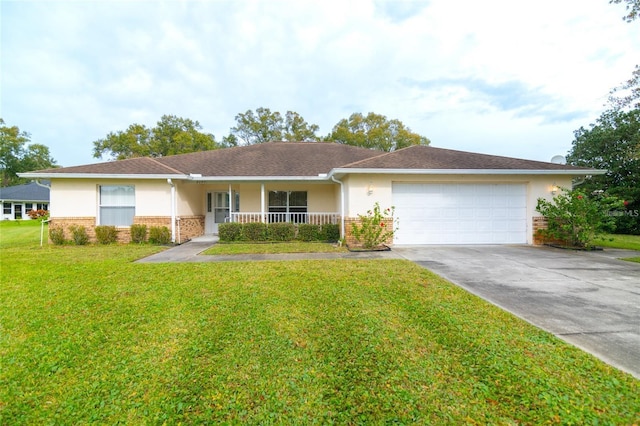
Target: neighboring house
441 196
18 200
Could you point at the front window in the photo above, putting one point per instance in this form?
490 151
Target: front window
117 205
6 208
43 206
288 206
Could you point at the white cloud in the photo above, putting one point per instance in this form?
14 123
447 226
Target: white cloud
496 76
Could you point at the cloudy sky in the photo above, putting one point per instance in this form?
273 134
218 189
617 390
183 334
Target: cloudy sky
503 77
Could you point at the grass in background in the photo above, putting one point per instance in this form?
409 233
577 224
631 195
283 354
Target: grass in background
628 242
22 233
88 336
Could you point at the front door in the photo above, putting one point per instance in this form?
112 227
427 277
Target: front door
17 211
217 211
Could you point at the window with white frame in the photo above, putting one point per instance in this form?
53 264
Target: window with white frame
288 206
6 208
117 205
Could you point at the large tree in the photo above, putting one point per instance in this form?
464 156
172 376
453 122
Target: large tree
613 144
633 8
375 131
627 95
265 126
171 135
18 155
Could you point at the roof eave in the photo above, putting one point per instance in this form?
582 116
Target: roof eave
36 175
570 172
204 179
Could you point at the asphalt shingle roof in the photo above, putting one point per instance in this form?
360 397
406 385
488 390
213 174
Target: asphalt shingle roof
27 192
428 157
305 159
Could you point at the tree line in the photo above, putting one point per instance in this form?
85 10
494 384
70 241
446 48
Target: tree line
175 135
613 143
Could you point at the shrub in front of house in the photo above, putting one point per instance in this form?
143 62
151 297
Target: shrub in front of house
57 236
106 234
38 214
159 235
79 235
254 231
283 231
308 232
138 233
330 232
575 218
375 228
279 231
230 231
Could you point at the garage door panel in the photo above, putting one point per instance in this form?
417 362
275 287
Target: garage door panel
460 213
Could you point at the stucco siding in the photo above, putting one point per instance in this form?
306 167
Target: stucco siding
73 198
79 197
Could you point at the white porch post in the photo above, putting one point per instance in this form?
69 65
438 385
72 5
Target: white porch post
342 227
173 210
230 203
262 203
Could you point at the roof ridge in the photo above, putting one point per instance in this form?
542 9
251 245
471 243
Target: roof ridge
383 154
165 166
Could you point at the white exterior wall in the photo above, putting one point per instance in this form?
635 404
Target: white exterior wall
73 198
363 191
80 197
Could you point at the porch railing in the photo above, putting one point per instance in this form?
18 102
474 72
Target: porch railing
311 218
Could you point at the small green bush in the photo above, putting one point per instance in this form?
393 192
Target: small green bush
106 234
372 230
308 232
231 231
57 236
254 231
159 235
138 233
79 235
330 232
575 218
281 231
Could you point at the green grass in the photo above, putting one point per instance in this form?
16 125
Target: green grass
629 242
21 233
273 248
87 336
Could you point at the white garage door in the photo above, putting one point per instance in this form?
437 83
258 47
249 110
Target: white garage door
460 213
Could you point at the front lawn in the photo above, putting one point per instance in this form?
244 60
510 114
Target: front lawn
87 336
273 248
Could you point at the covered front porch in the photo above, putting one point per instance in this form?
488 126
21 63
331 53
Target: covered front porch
267 202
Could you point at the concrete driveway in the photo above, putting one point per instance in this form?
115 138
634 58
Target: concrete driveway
589 299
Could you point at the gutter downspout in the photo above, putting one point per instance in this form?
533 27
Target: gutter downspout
173 210
342 232
37 182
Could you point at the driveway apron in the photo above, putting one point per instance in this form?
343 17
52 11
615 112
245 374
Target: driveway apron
589 299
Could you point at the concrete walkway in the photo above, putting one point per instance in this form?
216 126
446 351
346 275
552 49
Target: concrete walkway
189 252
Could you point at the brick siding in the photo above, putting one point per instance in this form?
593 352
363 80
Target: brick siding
187 227
348 228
